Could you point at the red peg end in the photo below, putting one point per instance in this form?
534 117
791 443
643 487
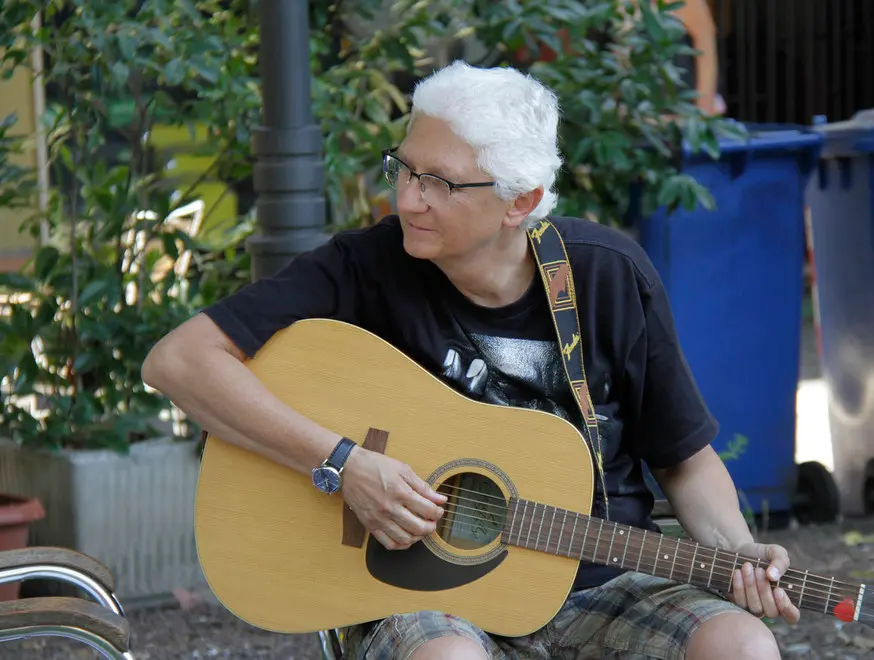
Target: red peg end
845 610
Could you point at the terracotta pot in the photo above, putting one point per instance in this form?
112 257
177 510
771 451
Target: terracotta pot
16 515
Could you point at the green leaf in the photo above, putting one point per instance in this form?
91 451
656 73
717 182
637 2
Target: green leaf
12 281
127 45
174 72
85 362
120 73
170 247
651 22
28 372
209 73
46 259
94 290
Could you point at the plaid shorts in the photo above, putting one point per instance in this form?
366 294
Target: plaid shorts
633 616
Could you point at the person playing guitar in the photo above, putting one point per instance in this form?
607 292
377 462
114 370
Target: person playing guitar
452 281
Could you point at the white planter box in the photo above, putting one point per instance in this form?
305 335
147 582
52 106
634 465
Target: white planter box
133 513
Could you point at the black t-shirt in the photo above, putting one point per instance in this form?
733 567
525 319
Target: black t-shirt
649 408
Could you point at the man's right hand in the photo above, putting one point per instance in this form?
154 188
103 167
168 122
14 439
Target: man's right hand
391 501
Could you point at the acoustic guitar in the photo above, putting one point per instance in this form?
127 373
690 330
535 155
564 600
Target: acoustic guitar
287 558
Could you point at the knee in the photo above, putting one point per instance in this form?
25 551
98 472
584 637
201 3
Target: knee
738 636
450 646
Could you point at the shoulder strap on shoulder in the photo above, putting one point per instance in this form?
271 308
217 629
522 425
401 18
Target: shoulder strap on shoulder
557 277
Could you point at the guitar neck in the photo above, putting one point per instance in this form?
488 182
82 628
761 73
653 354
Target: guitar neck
561 532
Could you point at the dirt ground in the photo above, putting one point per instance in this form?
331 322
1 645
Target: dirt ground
845 550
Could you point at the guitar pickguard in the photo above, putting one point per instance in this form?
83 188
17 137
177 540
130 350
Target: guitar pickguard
418 569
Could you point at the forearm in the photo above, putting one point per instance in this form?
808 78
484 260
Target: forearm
705 501
706 71
696 18
217 390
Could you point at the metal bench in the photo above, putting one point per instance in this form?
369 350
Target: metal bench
99 623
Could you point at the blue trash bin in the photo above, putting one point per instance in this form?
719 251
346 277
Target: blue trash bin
735 279
841 200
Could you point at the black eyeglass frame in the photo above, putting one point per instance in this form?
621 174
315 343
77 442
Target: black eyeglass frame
452 186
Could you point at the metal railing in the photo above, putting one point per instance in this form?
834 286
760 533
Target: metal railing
789 60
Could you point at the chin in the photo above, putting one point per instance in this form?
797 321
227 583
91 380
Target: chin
421 245
420 249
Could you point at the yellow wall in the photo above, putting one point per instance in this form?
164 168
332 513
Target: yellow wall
16 96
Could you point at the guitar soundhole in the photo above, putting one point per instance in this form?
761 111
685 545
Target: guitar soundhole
474 513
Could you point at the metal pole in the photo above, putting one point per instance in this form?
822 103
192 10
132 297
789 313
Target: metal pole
289 172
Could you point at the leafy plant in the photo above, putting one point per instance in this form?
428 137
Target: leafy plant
112 278
737 447
613 64
115 274
626 110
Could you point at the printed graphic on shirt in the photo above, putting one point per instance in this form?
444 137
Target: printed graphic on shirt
524 373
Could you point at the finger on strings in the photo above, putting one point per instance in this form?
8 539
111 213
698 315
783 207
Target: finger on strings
779 561
766 594
751 591
787 608
738 592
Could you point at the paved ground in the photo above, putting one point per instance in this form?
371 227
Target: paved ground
844 550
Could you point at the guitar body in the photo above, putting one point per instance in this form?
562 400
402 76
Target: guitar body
272 546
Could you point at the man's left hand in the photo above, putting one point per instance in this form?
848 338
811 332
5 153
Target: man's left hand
751 587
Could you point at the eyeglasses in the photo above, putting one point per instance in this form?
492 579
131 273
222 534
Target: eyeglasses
435 190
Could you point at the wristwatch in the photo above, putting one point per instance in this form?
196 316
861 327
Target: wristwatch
328 477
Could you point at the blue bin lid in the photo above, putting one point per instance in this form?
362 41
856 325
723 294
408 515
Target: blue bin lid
848 138
766 138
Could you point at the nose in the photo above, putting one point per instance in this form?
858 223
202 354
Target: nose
409 198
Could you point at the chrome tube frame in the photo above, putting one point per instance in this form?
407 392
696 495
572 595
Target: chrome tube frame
331 648
95 642
48 571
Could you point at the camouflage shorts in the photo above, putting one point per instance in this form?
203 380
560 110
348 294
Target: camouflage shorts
634 616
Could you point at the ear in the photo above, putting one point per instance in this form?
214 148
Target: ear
522 207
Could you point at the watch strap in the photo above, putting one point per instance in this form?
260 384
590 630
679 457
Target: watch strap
341 452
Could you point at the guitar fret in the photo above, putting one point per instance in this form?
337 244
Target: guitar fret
522 524
585 537
859 603
733 569
803 584
712 566
551 527
828 598
540 529
625 549
530 527
674 562
561 532
657 557
597 540
640 555
513 519
570 544
694 554
610 549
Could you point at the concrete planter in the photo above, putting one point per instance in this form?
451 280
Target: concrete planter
134 513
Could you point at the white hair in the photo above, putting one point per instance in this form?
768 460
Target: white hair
509 118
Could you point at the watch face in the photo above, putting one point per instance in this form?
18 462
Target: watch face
326 479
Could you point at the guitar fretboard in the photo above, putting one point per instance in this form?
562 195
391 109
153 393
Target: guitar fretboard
562 532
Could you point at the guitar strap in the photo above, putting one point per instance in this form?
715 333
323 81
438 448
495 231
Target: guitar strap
557 277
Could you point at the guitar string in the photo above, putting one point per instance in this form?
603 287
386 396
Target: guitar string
687 562
808 579
825 581
829 597
820 585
